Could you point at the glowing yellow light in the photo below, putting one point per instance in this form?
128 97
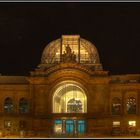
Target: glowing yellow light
63 96
116 123
132 123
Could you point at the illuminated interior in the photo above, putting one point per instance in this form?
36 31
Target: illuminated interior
7 124
58 126
116 124
131 105
8 105
69 126
116 106
69 97
132 123
116 129
85 51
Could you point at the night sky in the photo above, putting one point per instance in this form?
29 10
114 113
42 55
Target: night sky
26 28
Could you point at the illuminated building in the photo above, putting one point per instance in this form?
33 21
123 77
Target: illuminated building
69 94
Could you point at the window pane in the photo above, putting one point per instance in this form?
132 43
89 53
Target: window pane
58 126
7 124
131 105
23 106
116 124
81 126
69 126
116 106
132 123
116 129
8 105
58 122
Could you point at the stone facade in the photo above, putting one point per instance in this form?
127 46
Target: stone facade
100 90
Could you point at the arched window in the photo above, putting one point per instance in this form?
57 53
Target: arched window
69 97
23 105
131 105
116 106
8 105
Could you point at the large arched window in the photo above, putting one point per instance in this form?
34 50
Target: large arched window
69 97
116 106
23 105
8 105
131 105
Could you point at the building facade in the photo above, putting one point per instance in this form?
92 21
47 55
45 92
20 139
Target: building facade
69 94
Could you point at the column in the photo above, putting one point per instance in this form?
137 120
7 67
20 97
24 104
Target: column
63 126
75 127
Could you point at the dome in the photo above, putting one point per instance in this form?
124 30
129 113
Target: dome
82 50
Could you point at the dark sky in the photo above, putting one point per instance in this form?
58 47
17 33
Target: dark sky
25 29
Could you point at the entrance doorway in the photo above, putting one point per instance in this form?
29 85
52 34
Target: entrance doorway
69 126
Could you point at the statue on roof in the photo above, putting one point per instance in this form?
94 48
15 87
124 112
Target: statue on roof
68 55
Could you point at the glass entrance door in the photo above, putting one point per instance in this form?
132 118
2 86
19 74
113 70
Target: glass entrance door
58 126
69 126
81 126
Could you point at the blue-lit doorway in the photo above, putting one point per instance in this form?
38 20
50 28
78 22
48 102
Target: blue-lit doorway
81 126
69 126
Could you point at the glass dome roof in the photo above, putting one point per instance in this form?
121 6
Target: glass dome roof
84 51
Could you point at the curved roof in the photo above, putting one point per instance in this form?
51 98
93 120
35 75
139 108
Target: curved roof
88 52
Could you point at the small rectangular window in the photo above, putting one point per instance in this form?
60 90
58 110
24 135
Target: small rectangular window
132 123
22 124
7 124
116 129
116 124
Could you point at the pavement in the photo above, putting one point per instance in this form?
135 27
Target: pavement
17 136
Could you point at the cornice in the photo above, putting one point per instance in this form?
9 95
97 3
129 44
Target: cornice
72 66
